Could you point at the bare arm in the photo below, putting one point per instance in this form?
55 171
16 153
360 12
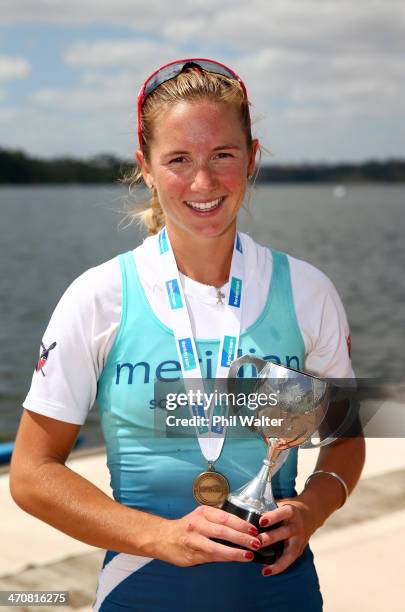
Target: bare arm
304 514
42 485
323 494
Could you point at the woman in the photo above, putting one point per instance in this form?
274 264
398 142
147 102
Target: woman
133 319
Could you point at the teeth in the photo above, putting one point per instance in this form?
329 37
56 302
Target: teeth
204 205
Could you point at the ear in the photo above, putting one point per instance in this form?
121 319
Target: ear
252 157
145 168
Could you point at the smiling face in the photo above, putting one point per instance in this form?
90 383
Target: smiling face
199 163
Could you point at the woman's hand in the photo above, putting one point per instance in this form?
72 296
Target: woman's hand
298 526
187 541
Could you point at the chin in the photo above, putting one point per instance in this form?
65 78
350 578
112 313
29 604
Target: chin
212 231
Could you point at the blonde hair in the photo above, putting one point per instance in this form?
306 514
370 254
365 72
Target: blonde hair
191 86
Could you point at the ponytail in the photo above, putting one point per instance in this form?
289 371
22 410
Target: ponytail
153 217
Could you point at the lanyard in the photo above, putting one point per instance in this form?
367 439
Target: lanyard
211 438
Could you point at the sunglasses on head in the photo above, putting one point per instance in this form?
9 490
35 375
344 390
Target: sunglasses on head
172 70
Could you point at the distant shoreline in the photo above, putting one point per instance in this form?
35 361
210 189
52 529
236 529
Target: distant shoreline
19 168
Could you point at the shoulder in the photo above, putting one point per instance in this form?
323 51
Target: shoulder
308 280
95 290
322 320
92 301
319 311
317 303
99 281
82 328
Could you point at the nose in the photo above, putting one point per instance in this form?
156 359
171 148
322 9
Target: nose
204 179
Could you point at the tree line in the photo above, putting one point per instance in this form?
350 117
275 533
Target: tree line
19 168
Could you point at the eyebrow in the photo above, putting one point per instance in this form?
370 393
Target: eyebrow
220 148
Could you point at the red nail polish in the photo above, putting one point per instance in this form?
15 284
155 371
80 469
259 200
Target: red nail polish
267 572
264 522
249 555
256 544
253 531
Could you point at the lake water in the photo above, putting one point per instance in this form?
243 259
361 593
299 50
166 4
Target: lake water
49 235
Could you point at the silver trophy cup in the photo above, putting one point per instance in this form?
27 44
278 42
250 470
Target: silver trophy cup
302 403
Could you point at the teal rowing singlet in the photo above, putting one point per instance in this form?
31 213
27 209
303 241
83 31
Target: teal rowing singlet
154 473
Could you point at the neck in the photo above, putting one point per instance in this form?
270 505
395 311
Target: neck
206 260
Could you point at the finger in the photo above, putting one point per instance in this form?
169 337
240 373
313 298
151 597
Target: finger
290 554
213 551
216 515
275 535
225 529
223 532
279 514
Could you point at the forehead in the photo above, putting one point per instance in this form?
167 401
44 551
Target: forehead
187 124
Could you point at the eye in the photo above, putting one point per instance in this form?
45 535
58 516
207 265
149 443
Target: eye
177 160
224 155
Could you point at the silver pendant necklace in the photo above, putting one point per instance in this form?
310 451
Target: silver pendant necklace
220 296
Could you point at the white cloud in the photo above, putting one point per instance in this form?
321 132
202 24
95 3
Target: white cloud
291 40
45 133
12 68
111 53
151 14
310 66
78 100
326 26
94 92
111 73
321 25
270 72
284 81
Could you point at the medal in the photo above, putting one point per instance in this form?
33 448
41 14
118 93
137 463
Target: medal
210 488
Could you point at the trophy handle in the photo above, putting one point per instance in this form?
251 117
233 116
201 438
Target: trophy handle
340 431
238 363
235 366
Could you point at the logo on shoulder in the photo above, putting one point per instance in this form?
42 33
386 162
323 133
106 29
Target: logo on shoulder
43 358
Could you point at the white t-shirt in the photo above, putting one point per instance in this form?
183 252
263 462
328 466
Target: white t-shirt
86 319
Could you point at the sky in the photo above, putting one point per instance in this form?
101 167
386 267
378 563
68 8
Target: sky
326 78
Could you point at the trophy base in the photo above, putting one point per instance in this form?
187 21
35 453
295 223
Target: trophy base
266 555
